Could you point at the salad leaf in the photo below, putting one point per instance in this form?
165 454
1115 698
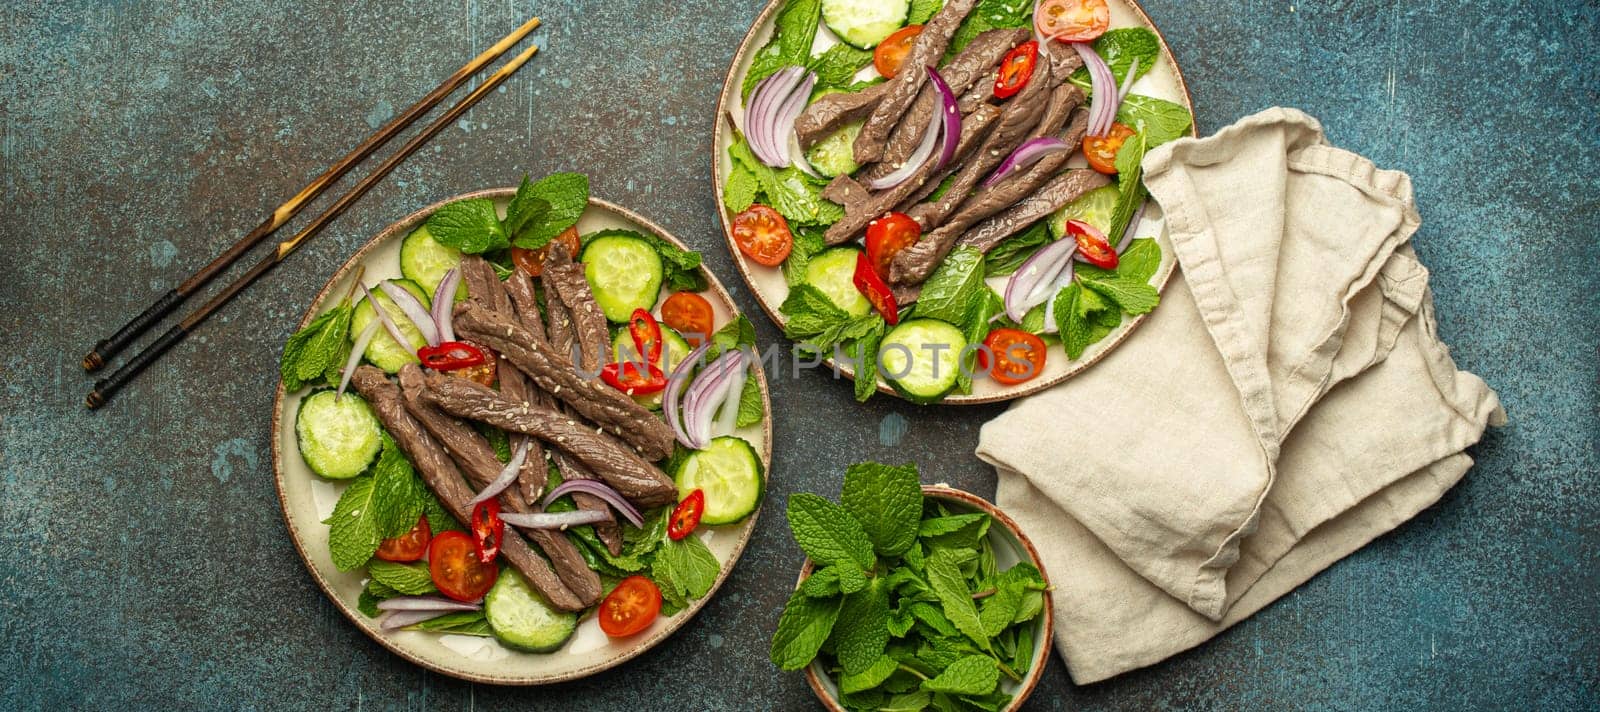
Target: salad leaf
739 193
837 66
687 567
862 631
946 580
788 191
971 675
1119 48
864 351
804 626
808 242
1158 119
458 623
565 194
871 677
321 348
952 287
887 501
1006 13
922 11
407 579
471 226
827 533
793 29
385 503
1007 256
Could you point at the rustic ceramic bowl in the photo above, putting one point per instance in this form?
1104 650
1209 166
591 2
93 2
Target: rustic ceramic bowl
767 283
308 499
1011 546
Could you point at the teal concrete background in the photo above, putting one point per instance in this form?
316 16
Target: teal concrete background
144 563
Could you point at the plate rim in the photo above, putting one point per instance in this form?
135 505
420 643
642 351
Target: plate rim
404 226
722 121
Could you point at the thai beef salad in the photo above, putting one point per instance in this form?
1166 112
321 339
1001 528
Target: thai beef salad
933 150
525 436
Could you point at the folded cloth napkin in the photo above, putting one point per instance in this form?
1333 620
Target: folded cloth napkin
1287 402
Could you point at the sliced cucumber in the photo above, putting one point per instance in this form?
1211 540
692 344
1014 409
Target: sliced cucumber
728 471
382 351
835 155
1094 207
424 261
673 350
921 359
864 23
833 272
339 436
521 619
625 273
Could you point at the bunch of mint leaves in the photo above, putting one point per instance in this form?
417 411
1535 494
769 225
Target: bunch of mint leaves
536 215
906 608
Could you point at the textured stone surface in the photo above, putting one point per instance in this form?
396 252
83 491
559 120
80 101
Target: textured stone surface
143 560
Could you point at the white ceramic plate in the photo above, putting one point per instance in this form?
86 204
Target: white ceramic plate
308 499
767 283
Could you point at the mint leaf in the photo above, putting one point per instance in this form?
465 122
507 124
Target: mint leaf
827 533
688 566
887 501
750 410
397 492
1139 262
1133 296
789 191
804 626
944 576
352 538
933 618
864 351
907 702
566 194
1120 48
862 630
975 325
311 353
525 208
739 193
948 524
807 312
997 610
1006 13
1158 119
971 675
408 579
922 11
793 29
871 676
837 66
950 290
1007 256
471 226
824 582
458 623
808 242
1130 185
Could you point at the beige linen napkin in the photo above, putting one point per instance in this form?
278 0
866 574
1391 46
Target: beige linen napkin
1287 402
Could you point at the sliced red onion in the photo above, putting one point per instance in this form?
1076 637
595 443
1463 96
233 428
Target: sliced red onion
426 603
1062 280
1103 105
554 520
799 154
1035 275
676 382
364 338
444 302
1127 81
601 490
728 412
1133 225
767 103
383 316
705 394
783 119
950 115
1026 155
413 309
396 620
507 475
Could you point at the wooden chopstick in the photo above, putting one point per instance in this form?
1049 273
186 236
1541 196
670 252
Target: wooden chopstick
124 337
105 388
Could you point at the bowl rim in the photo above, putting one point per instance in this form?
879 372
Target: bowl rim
1043 645
722 122
367 626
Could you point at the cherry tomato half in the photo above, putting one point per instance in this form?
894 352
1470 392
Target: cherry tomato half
1017 356
1072 20
1016 69
409 546
1092 244
892 51
690 315
455 569
633 380
762 235
1102 150
630 607
488 531
532 261
887 236
876 290
686 516
646 335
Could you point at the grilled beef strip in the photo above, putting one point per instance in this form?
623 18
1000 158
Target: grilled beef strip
525 303
1059 191
971 65
444 478
1019 115
627 472
587 327
846 191
926 51
477 461
594 400
1064 101
830 113
485 289
1063 60
913 264
973 129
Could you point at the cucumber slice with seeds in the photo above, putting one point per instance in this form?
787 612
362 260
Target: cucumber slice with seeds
864 23
921 359
728 471
625 273
833 273
424 261
1094 207
521 619
339 436
382 351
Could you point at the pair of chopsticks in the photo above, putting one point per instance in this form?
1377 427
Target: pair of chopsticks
103 351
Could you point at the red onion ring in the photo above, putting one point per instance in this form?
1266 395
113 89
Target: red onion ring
426 603
1103 86
554 520
929 138
767 102
1026 155
507 475
412 306
705 394
1127 234
356 351
1127 81
675 385
728 408
395 620
783 119
598 489
1040 270
444 301
951 114
388 324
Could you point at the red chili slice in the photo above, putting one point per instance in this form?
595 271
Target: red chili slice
646 333
633 380
451 356
488 530
876 290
